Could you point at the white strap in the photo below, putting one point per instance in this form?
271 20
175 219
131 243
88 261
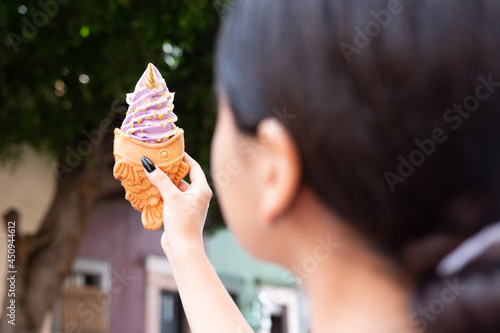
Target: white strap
470 249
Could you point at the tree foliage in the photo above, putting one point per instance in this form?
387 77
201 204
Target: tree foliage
49 48
111 42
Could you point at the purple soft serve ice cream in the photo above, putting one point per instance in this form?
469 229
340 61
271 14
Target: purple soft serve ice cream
150 117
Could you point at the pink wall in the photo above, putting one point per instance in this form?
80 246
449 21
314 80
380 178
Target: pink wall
116 234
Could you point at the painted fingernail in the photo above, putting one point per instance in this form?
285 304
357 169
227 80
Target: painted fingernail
148 165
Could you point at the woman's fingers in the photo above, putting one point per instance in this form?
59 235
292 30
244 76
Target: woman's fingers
197 176
159 178
164 240
183 185
195 171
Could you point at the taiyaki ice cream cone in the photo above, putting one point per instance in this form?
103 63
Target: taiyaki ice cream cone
149 130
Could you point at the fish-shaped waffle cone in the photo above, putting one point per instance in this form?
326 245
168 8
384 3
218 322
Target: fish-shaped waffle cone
168 156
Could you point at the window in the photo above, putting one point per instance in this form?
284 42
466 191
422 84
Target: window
172 313
84 304
163 307
280 310
279 321
164 312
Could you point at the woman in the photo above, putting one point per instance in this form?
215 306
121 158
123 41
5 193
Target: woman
371 126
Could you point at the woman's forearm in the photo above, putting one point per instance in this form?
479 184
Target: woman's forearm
207 304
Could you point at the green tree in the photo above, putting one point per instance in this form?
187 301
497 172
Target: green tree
65 69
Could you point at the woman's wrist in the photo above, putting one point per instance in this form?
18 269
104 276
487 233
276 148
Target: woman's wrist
182 248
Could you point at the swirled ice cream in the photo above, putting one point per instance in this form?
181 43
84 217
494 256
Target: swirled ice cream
150 117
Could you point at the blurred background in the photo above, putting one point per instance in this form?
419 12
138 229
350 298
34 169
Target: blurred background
83 262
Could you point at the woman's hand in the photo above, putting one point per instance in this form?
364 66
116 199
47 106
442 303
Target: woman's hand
185 207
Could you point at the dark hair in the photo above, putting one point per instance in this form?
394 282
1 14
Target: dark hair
394 106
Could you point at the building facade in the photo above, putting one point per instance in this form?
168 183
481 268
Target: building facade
121 280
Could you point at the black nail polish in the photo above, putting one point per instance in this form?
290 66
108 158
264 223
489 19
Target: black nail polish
148 165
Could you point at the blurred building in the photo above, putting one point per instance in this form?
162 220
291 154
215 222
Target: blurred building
122 282
267 295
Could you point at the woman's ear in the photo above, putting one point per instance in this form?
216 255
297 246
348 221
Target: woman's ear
280 169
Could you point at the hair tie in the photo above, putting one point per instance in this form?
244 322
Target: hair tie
472 248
